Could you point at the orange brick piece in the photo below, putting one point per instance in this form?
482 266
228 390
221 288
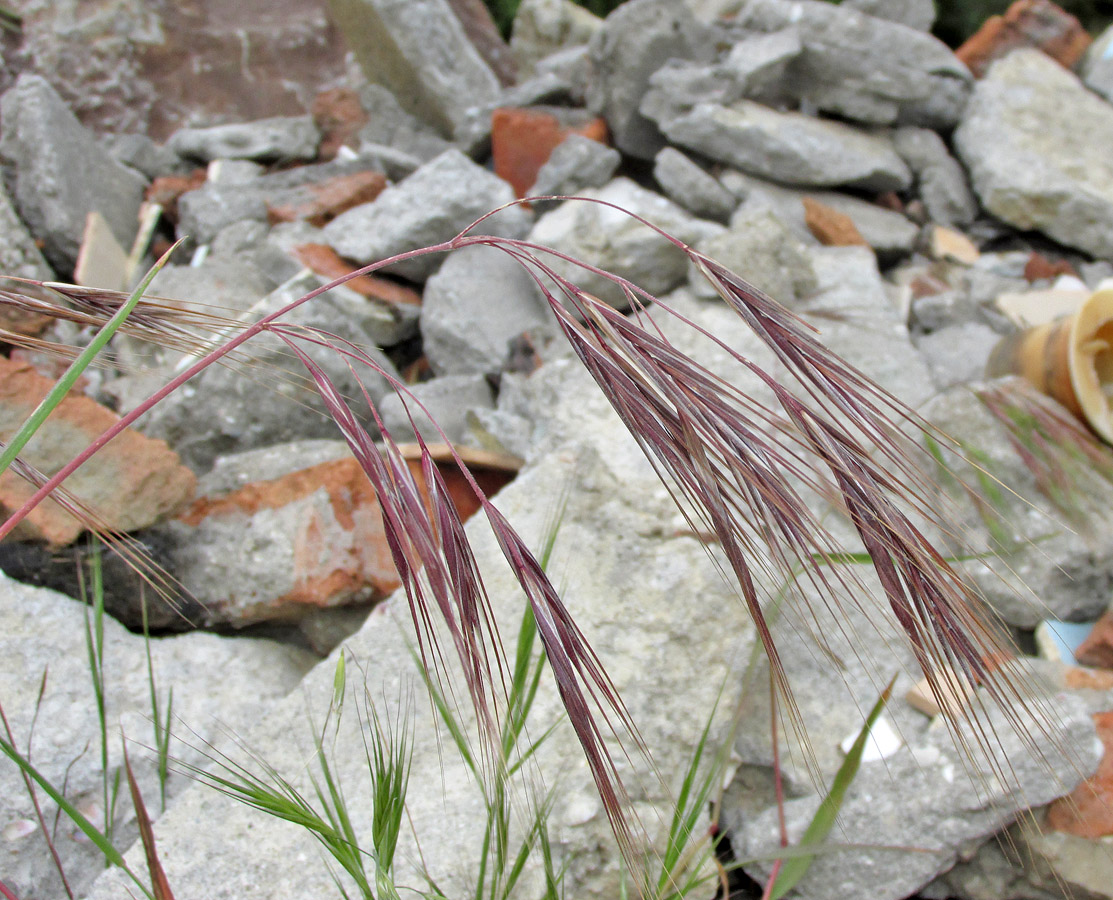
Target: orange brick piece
831 227
131 483
1087 812
320 203
1027 23
1097 649
522 139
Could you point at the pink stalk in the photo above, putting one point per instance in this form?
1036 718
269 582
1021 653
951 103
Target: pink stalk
251 331
778 786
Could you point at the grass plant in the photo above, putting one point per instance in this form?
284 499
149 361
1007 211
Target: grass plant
740 471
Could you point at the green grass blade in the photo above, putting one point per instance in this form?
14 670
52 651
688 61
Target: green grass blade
99 840
445 712
65 384
824 818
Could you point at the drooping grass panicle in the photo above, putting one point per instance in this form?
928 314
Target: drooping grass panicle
435 563
1062 455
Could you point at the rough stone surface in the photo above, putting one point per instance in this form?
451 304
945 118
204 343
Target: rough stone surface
634 41
389 125
418 49
888 233
863 67
447 399
1096 69
933 788
435 203
266 140
609 239
142 154
483 34
940 181
856 319
273 549
130 65
631 583
315 193
477 303
918 14
764 252
18 253
687 183
785 146
1034 141
576 163
61 173
1041 560
266 397
544 27
218 683
131 483
958 353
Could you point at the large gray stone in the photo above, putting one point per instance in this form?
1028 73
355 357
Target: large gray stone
219 203
612 240
632 577
61 173
635 40
279 139
1096 69
264 396
762 250
18 253
694 188
789 147
889 233
940 180
388 125
1035 142
958 353
576 163
447 401
1037 558
434 204
418 49
856 319
479 301
544 27
918 14
863 67
935 796
217 682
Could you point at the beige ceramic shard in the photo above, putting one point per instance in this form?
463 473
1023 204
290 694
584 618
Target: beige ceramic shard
1070 359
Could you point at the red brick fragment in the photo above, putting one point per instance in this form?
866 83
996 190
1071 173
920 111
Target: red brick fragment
329 517
523 139
831 227
1027 23
1039 268
1097 649
166 189
322 202
1087 812
131 483
325 261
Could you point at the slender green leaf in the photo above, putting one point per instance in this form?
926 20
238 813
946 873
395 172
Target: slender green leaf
824 818
99 840
69 378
